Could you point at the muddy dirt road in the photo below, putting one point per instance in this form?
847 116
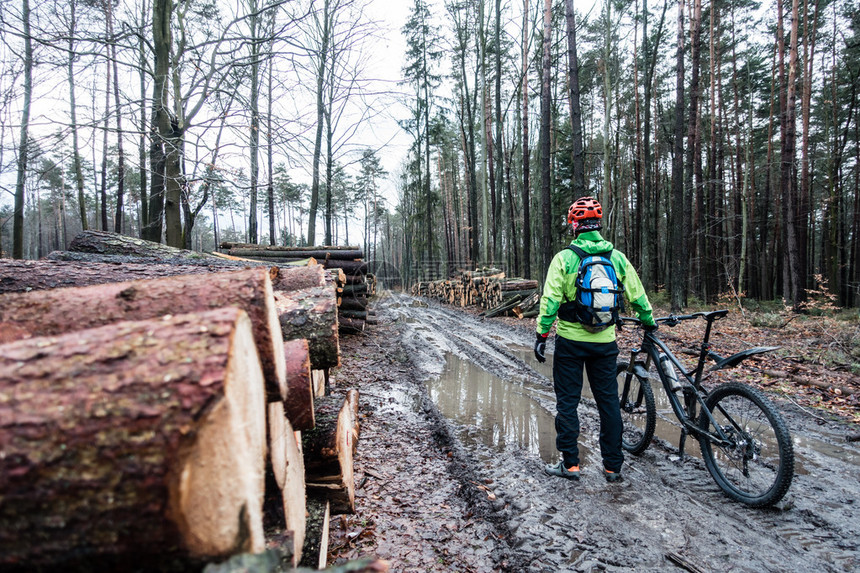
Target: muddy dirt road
458 424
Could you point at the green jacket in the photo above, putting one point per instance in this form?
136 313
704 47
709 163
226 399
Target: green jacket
561 279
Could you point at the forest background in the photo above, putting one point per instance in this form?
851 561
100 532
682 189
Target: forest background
722 137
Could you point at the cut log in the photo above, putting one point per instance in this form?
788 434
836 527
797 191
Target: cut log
227 245
299 407
289 470
137 437
353 303
327 451
24 276
311 314
292 252
353 290
71 256
353 314
57 311
348 267
350 325
105 243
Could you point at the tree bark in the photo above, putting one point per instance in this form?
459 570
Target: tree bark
299 407
142 438
48 313
311 314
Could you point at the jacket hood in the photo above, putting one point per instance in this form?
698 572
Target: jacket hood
592 242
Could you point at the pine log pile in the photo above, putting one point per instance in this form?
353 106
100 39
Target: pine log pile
353 283
487 288
127 408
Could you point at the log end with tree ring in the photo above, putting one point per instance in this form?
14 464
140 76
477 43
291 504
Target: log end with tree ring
222 475
299 406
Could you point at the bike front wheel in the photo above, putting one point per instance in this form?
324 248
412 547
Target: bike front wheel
755 463
638 410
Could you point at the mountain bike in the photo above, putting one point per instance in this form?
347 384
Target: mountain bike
746 445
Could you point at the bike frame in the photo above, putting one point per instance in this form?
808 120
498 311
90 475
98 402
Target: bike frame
694 393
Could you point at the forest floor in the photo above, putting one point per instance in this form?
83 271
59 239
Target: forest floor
456 426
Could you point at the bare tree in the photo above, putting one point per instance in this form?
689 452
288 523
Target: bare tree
23 142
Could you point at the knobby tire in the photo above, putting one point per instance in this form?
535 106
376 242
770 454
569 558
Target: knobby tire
757 467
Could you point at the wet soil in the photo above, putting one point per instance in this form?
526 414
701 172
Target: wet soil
457 424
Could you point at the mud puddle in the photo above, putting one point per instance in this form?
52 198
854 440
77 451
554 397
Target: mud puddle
492 412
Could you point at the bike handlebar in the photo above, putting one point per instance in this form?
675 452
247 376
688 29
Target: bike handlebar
674 320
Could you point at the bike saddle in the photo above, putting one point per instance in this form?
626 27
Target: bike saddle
713 315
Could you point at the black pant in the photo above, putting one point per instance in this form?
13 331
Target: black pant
600 365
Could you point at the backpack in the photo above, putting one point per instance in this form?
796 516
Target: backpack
598 299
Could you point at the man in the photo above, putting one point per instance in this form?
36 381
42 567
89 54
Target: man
579 345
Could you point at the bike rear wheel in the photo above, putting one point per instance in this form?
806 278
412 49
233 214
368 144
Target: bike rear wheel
638 410
756 465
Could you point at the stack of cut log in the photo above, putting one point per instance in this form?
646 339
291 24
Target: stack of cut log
140 417
487 288
354 286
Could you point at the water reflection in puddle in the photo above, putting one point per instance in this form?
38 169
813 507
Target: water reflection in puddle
497 414
502 414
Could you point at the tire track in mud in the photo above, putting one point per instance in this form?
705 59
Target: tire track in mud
666 508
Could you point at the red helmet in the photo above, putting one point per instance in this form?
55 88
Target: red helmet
584 208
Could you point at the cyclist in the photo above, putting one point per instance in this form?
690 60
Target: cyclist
579 345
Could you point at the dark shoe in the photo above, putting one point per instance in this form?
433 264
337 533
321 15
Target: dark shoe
612 477
559 470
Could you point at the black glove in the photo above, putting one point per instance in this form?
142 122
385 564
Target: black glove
650 327
540 347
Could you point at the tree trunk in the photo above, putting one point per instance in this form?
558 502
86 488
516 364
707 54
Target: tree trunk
120 153
76 153
162 41
161 450
545 123
311 314
794 283
103 191
678 270
527 224
606 199
48 313
143 65
579 189
23 142
692 182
